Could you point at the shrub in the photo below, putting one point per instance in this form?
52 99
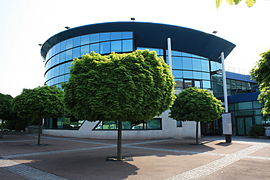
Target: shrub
257 130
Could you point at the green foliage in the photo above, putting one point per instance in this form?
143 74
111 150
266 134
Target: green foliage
40 102
261 73
195 104
5 107
257 130
249 3
127 87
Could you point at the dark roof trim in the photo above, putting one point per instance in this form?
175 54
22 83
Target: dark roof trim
154 35
240 77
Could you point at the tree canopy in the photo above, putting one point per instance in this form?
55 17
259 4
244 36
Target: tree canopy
194 104
5 110
40 102
131 87
261 73
5 106
122 87
249 3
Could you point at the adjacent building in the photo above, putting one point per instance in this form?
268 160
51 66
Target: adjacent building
195 62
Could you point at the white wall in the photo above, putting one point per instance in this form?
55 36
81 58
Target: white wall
169 130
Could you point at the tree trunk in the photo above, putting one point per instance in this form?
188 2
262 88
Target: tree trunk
197 139
119 141
2 129
39 130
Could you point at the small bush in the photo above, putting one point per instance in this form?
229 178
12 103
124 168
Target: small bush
257 130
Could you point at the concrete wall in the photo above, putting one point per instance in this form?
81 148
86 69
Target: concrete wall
169 130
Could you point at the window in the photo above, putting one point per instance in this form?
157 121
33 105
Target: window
69 54
179 83
179 124
69 43
105 48
104 36
94 38
177 74
116 35
197 66
85 39
187 63
177 63
85 50
76 52
76 41
116 46
94 47
127 35
127 45
188 83
153 124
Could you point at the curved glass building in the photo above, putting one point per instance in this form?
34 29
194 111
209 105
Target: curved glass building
195 57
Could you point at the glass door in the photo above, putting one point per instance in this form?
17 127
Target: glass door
243 125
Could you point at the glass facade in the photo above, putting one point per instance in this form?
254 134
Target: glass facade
59 57
153 124
245 115
234 87
188 70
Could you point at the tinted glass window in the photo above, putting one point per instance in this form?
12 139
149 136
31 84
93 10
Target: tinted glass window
116 35
57 48
76 52
76 41
85 50
127 45
116 46
205 66
69 43
178 83
85 39
197 66
187 83
177 63
94 47
206 76
69 54
197 75
62 57
94 38
105 48
206 84
104 36
126 35
177 74
187 63
188 74
62 45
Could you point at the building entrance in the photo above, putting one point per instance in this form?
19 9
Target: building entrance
243 125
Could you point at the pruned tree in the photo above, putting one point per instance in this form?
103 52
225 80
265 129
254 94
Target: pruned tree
5 110
249 3
194 104
261 73
123 87
38 103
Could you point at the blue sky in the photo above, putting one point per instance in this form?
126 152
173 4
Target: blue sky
27 23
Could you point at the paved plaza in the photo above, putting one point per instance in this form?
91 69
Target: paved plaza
64 158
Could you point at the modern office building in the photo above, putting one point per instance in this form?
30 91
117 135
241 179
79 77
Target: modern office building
195 62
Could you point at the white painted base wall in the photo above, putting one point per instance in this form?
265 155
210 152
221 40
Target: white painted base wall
169 130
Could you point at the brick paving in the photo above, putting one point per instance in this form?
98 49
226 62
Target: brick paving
164 159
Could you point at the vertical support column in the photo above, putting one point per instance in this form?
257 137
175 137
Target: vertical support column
224 84
226 117
169 53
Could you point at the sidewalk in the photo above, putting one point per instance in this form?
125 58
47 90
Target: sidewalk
160 159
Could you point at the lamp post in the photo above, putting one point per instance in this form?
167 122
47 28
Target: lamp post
226 117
